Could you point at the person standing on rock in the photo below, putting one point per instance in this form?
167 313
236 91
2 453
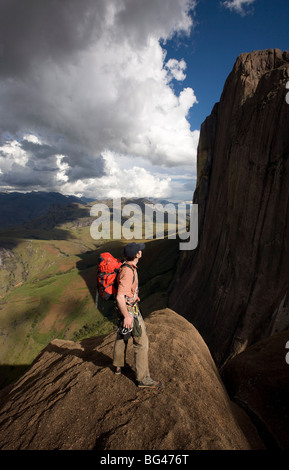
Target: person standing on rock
131 322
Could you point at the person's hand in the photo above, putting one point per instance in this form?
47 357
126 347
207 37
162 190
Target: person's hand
128 322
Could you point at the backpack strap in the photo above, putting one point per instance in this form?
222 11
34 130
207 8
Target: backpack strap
131 300
130 267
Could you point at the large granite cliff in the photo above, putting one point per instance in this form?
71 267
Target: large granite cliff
235 286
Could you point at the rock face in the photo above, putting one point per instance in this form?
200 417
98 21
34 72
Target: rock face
235 286
70 398
258 380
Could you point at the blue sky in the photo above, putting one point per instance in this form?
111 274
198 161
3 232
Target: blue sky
217 39
91 105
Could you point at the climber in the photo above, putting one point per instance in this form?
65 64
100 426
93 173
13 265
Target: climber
131 322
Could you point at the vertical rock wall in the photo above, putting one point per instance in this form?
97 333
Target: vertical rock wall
233 285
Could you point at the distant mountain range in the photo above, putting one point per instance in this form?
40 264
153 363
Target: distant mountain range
17 209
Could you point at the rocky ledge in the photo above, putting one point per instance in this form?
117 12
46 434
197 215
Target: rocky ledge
71 399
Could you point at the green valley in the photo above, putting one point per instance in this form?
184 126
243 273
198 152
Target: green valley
48 285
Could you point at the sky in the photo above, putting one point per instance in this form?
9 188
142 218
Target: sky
105 98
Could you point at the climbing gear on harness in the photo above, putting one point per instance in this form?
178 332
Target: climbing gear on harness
125 333
136 328
136 331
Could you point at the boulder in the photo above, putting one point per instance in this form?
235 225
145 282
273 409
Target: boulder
70 398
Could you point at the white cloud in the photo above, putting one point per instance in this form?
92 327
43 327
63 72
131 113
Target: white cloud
238 6
30 164
126 182
140 180
91 81
177 68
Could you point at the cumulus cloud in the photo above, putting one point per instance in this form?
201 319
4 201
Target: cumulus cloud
88 79
177 68
239 6
132 181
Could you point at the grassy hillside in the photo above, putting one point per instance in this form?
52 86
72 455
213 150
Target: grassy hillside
48 285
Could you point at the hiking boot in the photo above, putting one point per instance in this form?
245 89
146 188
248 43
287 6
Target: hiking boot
148 382
126 367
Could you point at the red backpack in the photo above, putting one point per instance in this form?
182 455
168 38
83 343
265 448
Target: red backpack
107 271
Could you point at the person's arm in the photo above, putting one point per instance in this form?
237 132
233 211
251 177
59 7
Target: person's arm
121 303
